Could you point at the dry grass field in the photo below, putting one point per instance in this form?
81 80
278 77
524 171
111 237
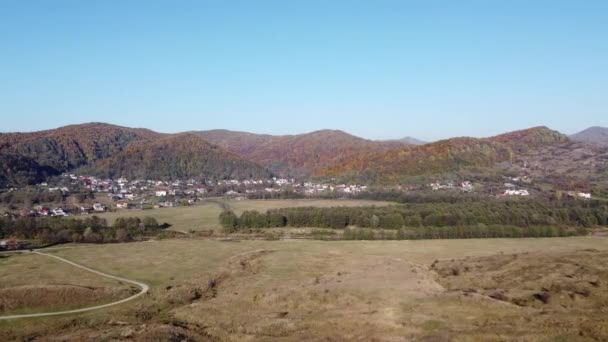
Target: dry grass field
433 290
33 283
263 205
204 215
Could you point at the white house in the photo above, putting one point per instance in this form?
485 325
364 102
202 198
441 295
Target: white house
585 195
522 192
161 193
59 212
98 207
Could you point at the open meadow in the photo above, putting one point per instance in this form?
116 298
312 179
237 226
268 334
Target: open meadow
550 289
204 215
32 283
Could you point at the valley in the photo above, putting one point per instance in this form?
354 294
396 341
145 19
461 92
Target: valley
316 236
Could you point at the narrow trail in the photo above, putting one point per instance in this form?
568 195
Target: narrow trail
144 289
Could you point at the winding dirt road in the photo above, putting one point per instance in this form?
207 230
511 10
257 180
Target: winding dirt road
144 289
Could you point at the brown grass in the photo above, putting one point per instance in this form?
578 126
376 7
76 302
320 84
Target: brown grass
30 299
346 290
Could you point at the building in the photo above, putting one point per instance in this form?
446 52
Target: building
585 195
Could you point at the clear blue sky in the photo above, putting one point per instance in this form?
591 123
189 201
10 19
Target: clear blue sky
377 69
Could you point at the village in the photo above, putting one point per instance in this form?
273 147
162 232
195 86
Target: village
102 195
97 195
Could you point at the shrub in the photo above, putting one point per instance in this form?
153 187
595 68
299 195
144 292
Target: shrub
229 221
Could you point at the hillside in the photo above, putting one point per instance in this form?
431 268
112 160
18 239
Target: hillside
62 149
75 144
594 135
522 140
16 170
449 155
114 151
175 156
314 153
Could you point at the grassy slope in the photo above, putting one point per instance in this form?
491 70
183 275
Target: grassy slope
159 261
303 289
35 275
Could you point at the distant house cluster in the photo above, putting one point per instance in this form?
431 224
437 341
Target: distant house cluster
515 192
466 186
99 194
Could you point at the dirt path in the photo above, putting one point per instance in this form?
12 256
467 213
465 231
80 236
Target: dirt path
144 289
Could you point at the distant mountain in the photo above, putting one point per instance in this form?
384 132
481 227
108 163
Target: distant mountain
58 150
114 151
311 154
176 156
524 139
110 150
407 141
450 155
331 153
595 135
72 146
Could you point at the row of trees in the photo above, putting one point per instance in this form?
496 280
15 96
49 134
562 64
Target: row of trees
471 232
476 216
251 219
91 229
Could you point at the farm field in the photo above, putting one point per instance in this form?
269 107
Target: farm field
551 289
204 215
263 205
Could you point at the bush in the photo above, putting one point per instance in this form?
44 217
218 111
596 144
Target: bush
392 221
229 221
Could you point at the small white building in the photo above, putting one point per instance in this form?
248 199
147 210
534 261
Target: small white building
522 192
585 195
161 193
59 212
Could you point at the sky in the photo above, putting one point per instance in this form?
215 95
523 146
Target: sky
378 69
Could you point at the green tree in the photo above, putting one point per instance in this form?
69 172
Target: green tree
229 221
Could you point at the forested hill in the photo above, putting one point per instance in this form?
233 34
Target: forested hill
309 154
330 153
448 155
28 157
104 149
114 151
176 156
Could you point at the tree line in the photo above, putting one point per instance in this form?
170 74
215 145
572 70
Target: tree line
89 230
428 220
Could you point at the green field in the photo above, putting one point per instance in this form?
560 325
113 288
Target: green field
204 215
339 290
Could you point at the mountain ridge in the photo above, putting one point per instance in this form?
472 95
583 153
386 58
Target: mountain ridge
110 150
594 135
